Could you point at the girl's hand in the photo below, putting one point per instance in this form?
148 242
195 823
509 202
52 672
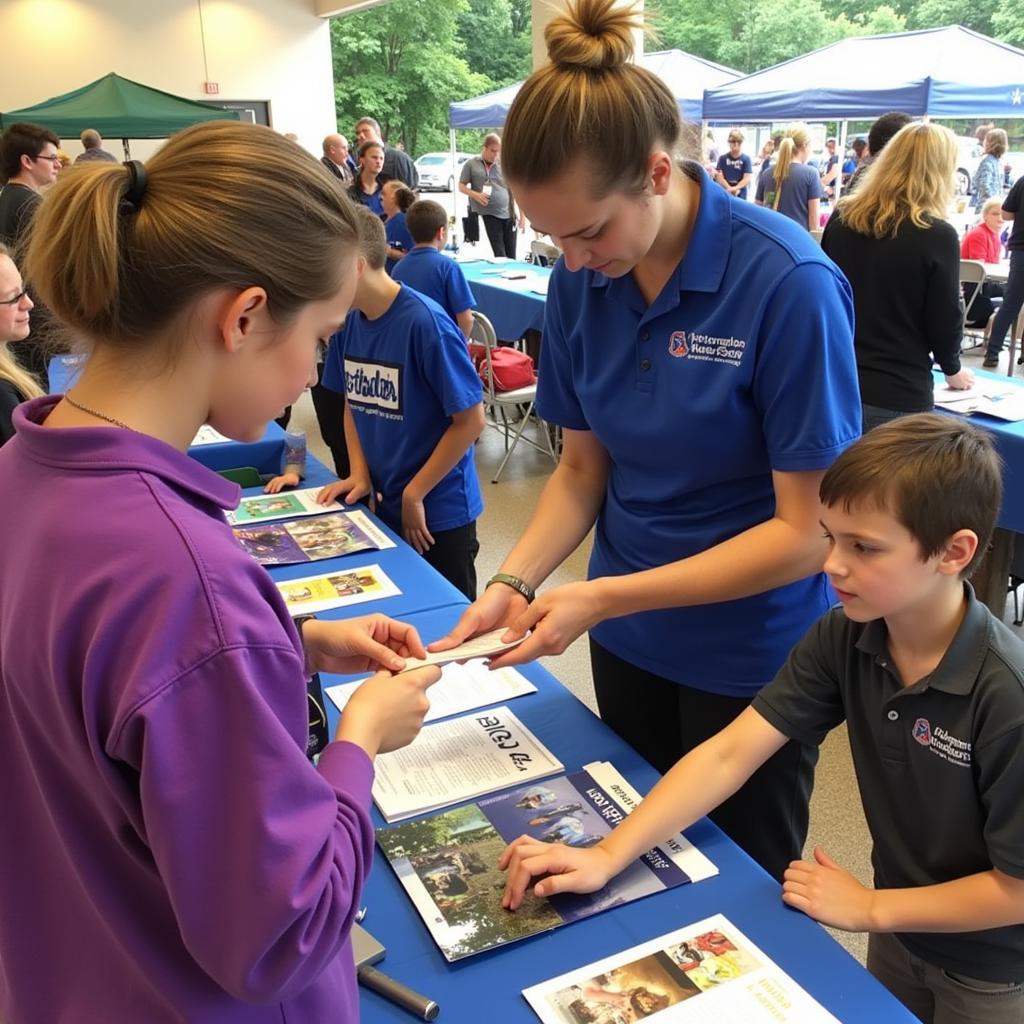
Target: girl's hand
566 869
414 524
279 482
363 644
497 606
353 488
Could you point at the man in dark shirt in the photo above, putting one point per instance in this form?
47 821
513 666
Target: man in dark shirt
397 164
1013 295
336 158
28 163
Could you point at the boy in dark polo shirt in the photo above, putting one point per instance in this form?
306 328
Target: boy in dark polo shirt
931 686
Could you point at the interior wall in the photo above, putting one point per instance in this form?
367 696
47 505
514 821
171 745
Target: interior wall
274 50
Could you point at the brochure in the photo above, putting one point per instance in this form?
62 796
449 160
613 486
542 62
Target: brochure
461 688
336 589
458 760
707 972
1003 401
486 645
286 505
310 540
448 863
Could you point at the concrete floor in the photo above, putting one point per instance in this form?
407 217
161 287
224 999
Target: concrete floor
837 822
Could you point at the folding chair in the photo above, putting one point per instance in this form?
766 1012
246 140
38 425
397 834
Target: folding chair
498 402
544 254
972 277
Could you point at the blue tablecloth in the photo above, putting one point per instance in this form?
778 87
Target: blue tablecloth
488 986
421 586
265 454
1009 439
512 308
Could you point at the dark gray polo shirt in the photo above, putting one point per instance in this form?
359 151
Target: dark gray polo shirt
940 764
476 174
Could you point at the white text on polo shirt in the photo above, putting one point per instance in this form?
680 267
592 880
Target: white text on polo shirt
941 743
375 387
706 347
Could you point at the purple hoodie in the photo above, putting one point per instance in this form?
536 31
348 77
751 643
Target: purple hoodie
168 852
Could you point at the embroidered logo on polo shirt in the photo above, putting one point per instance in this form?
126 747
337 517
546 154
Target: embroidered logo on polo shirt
941 743
706 347
376 388
677 344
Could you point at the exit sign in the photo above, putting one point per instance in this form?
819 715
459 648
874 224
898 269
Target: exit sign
211 88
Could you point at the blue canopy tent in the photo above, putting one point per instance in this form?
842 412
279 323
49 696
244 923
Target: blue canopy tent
685 75
939 72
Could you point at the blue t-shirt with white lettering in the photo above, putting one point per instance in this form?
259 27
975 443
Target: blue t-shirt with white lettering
438 277
742 366
802 184
734 170
405 375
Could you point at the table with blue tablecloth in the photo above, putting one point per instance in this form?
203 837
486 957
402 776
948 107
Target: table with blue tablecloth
265 455
514 306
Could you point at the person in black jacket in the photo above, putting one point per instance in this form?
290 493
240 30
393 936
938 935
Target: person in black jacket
397 163
902 259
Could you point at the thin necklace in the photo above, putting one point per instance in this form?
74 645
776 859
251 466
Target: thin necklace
93 412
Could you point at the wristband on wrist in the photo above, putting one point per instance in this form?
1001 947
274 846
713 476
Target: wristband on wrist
516 583
300 621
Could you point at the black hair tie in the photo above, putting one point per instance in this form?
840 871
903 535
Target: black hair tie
137 180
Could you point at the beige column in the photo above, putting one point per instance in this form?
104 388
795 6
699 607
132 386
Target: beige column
542 11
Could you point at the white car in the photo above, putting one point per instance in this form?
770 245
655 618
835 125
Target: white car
436 171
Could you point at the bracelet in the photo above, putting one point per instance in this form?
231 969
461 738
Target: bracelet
299 621
516 583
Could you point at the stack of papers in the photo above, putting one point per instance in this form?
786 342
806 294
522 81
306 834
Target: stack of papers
1003 401
457 760
286 505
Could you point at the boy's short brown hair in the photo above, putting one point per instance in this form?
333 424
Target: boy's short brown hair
932 473
372 240
424 219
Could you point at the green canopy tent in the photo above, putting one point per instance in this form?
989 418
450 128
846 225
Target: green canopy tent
117 108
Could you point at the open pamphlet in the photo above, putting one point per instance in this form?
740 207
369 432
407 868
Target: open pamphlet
461 688
708 972
457 760
990 397
448 863
262 508
309 540
486 645
336 590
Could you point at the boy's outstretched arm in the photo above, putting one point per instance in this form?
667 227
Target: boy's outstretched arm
830 894
464 430
698 783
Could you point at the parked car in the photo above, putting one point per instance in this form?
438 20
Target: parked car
436 171
967 163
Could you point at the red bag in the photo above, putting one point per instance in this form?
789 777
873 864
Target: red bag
511 369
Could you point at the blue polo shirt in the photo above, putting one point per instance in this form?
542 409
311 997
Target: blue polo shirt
398 237
405 375
742 365
437 276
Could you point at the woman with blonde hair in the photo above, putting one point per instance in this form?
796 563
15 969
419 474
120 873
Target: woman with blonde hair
790 186
169 843
697 422
16 384
902 259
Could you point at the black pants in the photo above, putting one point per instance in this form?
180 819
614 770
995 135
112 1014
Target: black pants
1013 298
453 555
501 233
330 415
663 720
981 309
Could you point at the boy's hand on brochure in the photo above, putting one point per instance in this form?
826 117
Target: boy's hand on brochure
351 489
279 482
497 606
363 644
414 523
387 711
824 890
564 869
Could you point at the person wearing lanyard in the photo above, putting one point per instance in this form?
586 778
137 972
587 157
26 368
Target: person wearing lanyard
482 181
698 354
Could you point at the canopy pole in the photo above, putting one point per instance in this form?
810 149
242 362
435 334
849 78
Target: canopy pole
455 180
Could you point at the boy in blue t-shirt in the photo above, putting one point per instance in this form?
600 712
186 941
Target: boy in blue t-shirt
734 169
414 408
428 270
931 686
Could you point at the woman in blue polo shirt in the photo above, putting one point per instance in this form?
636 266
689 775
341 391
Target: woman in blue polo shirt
698 355
366 188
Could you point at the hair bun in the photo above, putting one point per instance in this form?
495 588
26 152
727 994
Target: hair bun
593 34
